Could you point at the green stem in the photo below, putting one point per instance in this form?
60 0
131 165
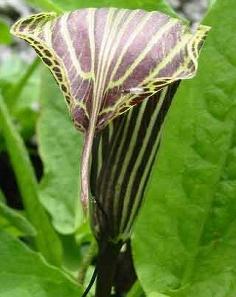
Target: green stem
86 262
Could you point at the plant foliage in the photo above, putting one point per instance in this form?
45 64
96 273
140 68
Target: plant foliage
190 207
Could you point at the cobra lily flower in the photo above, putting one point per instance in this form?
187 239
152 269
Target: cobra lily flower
118 70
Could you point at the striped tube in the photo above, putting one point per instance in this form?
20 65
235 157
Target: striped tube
122 158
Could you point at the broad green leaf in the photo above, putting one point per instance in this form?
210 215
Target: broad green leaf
46 239
72 256
137 291
13 222
5 36
212 2
22 80
25 273
154 294
127 56
184 243
62 5
11 69
60 149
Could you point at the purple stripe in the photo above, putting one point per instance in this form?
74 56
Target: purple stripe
78 28
100 22
140 42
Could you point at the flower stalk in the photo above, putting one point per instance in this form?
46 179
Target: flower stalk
106 268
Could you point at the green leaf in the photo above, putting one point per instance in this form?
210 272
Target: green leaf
2 197
11 69
72 254
46 5
212 2
184 243
46 240
5 36
62 5
60 149
136 291
13 222
25 274
154 294
21 92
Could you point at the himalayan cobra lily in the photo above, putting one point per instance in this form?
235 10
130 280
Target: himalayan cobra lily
118 70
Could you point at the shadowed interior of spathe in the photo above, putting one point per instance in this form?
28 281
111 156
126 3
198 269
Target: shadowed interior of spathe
108 60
